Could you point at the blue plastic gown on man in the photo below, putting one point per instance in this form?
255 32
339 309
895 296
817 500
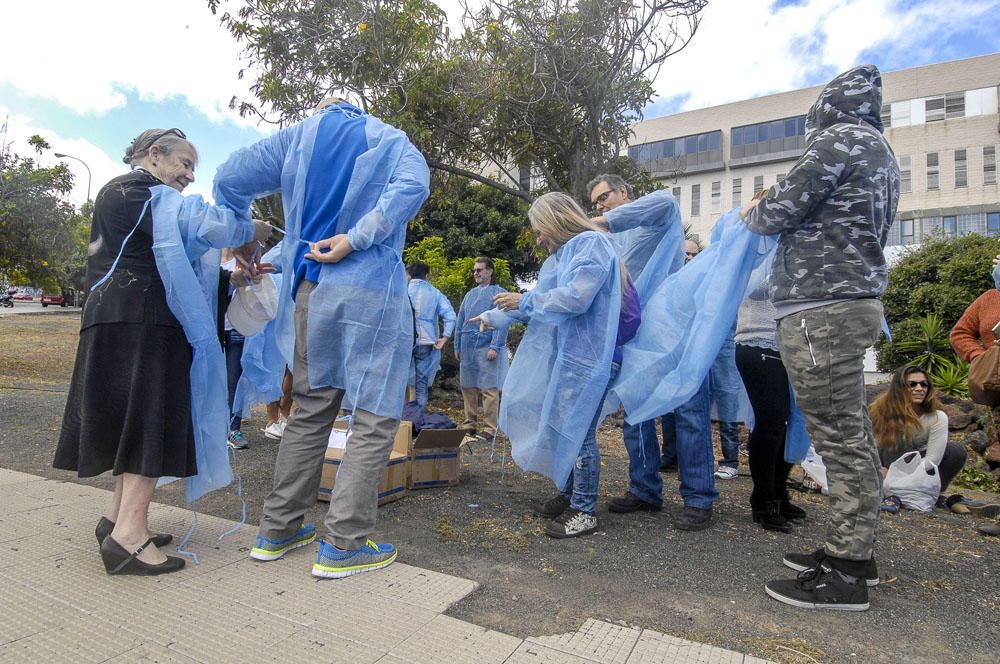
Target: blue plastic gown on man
562 366
472 345
359 308
429 306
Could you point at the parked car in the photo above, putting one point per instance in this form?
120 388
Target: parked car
48 299
26 297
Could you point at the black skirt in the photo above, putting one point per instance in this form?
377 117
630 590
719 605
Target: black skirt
129 405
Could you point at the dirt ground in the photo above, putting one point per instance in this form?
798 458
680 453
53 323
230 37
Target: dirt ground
939 600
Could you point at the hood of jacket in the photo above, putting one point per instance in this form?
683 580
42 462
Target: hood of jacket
853 97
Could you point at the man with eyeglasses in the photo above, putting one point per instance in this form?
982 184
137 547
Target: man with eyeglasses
482 356
637 227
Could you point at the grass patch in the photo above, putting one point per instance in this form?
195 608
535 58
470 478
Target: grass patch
785 651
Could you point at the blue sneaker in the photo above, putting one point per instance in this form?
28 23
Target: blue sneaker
269 549
332 563
238 440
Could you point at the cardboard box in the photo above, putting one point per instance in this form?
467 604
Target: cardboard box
392 485
434 455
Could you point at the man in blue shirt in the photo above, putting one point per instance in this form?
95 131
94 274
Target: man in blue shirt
429 304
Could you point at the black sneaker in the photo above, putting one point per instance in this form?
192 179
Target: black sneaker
631 503
552 507
803 561
571 523
820 588
693 518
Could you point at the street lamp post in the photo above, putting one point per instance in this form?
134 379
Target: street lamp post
60 155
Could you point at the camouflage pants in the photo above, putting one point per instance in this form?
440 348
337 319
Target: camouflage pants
823 351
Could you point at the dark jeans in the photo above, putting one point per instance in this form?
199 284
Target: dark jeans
233 348
687 443
767 386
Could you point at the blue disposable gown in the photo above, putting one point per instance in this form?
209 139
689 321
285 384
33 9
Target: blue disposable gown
359 313
472 345
560 372
187 236
685 320
429 305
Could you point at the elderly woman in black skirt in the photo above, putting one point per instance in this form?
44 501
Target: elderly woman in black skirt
129 404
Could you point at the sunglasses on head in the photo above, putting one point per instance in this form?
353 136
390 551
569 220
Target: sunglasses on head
175 131
918 383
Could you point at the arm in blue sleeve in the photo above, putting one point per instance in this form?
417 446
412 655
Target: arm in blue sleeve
252 172
809 182
460 319
217 226
585 275
447 313
406 191
656 209
499 340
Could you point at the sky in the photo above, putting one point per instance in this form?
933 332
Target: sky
103 72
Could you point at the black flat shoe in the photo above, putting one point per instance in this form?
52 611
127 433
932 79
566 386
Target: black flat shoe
106 525
119 561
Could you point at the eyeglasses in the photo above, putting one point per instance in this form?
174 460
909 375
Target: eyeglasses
603 197
690 254
918 383
479 269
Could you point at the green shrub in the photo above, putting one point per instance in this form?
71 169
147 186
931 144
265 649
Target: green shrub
453 277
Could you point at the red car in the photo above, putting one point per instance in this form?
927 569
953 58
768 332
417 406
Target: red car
24 297
48 299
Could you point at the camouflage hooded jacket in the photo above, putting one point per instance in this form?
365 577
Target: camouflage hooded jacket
835 206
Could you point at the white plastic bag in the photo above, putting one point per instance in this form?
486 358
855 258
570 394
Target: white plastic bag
914 480
813 466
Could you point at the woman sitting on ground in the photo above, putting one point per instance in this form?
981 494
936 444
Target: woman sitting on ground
908 417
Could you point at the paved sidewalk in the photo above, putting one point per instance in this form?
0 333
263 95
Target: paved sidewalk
60 606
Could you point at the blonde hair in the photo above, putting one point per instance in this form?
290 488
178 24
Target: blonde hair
561 218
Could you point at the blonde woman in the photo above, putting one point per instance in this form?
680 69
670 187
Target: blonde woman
582 310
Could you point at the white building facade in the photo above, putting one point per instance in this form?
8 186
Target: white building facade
941 120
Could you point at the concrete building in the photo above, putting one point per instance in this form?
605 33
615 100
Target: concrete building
940 119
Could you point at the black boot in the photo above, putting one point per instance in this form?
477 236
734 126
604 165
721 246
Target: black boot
790 511
771 518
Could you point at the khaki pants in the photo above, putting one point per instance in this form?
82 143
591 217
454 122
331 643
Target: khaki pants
350 519
490 398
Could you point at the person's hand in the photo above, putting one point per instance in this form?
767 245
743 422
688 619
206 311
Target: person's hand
439 344
883 470
248 255
483 325
241 277
996 261
506 301
602 222
491 355
337 249
458 356
746 209
261 231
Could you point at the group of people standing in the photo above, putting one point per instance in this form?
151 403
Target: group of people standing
351 327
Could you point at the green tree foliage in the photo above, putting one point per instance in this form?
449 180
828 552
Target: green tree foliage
941 278
454 277
551 84
44 238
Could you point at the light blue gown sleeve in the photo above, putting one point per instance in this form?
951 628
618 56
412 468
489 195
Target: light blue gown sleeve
499 340
448 314
658 208
398 204
251 172
584 276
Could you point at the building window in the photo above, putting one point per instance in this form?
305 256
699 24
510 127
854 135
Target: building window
906 231
993 224
737 192
678 154
716 197
989 164
886 116
677 194
954 105
961 169
932 171
758 184
696 200
934 109
949 226
779 177
900 114
905 175
768 137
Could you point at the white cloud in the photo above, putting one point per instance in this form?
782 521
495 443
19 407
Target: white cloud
745 49
102 166
85 54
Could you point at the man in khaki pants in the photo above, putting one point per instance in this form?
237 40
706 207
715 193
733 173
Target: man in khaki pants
482 355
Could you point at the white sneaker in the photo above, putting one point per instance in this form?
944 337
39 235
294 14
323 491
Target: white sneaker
727 473
275 430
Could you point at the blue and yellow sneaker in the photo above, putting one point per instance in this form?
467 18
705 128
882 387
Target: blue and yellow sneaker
332 563
270 549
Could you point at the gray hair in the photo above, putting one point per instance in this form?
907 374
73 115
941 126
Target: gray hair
612 180
166 140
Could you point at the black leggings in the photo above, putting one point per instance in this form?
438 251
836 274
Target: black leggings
767 386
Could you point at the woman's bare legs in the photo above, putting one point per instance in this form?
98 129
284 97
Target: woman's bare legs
116 501
132 522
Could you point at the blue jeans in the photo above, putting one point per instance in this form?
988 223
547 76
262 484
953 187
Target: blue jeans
581 487
695 458
420 382
644 481
233 347
725 385
668 459
729 435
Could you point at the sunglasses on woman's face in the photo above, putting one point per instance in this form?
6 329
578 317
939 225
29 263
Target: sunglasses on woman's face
918 383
